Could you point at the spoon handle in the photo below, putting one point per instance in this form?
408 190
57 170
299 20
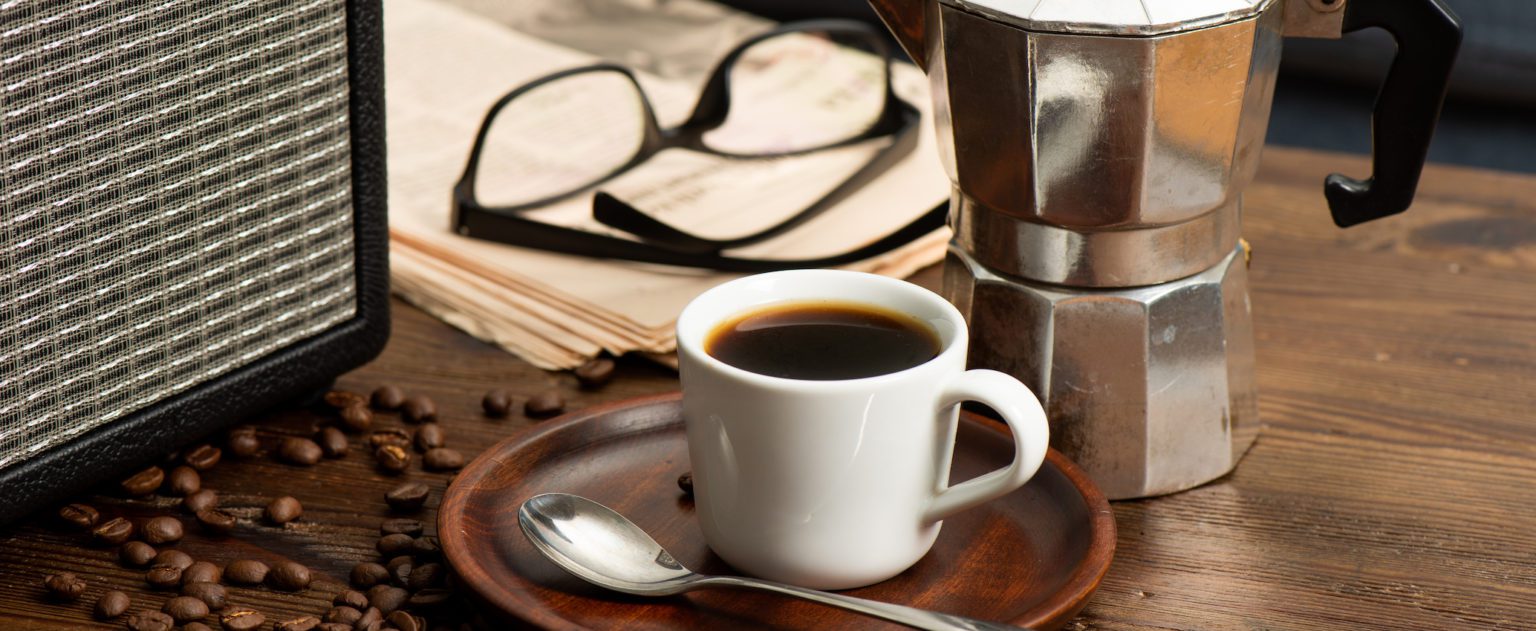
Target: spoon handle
912 617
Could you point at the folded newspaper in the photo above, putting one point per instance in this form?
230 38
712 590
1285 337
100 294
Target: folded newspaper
447 64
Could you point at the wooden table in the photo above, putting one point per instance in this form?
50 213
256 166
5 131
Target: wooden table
1393 484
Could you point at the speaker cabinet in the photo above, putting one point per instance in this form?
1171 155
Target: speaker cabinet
192 223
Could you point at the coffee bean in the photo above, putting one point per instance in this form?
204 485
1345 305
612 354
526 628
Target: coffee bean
497 403
246 572
407 497
64 586
176 558
369 574
201 572
334 626
185 608
356 418
371 617
394 545
136 554
289 576
79 516
299 451
243 442
183 481
343 614
596 373
424 576
203 499
341 399
302 623
403 621
397 437
212 594
113 532
425 547
162 530
400 570
283 510
351 598
429 436
150 621
387 598
333 443
401 525
429 598
162 576
144 482
544 404
418 409
242 620
216 522
392 459
112 604
442 459
196 626
685 482
203 457
388 397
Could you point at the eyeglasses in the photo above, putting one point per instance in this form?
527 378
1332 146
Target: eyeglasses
765 99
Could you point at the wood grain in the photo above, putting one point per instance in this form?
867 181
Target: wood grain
1391 486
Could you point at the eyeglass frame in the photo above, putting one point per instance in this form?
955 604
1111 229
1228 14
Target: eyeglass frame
663 244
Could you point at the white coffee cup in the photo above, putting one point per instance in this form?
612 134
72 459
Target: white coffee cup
837 484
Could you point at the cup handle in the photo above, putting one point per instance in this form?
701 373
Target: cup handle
1031 435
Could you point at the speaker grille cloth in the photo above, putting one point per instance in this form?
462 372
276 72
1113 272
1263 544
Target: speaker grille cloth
175 200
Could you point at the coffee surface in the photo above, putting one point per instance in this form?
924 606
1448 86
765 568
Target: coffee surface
822 341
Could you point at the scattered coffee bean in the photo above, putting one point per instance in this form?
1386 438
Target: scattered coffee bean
403 621
283 510
212 594
299 451
418 409
429 598
112 604
356 418
333 443
176 558
386 598
203 457
201 572
424 576
113 532
196 626
407 497
289 576
162 530
203 499
425 547
393 459
302 623
162 576
596 373
185 609
242 620
442 459
350 599
544 404
144 482
497 403
397 437
342 399
79 516
685 482
369 574
136 554
344 614
183 481
243 442
394 545
150 621
372 617
400 570
429 436
246 572
401 525
64 586
388 397
334 626
216 522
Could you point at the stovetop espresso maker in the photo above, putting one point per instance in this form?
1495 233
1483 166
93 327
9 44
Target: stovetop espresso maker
1099 150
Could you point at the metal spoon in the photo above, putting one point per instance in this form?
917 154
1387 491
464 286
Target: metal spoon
602 547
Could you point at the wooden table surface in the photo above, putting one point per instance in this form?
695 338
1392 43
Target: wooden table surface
1393 484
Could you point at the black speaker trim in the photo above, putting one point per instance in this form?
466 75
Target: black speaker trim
118 448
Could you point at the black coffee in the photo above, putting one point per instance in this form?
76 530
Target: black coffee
822 341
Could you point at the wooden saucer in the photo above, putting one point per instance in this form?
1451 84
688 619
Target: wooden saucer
1031 558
